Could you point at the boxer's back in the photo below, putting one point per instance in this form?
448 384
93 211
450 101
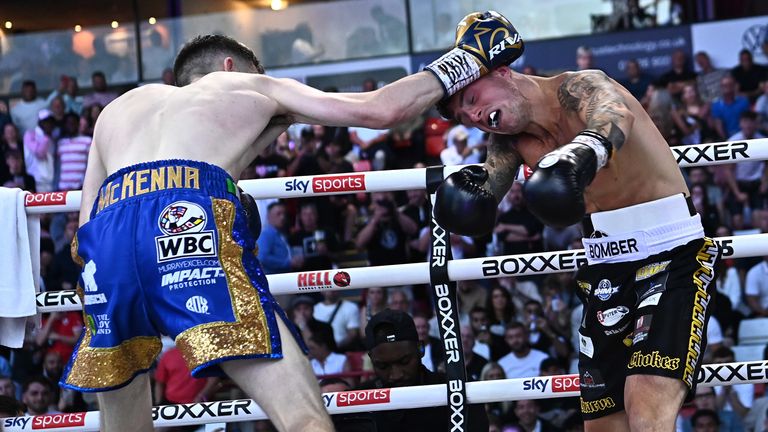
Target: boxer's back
214 120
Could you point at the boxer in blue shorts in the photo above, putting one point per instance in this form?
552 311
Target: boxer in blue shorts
164 242
174 232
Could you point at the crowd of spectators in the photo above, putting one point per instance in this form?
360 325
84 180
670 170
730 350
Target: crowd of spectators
511 327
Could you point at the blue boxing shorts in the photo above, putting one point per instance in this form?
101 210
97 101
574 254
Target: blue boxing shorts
167 251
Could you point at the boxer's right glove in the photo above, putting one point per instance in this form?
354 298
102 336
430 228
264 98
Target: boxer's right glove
555 191
484 41
462 206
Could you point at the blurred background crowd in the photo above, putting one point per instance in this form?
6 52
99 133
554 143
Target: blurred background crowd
510 327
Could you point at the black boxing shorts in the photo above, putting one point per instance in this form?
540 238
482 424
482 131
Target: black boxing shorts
646 292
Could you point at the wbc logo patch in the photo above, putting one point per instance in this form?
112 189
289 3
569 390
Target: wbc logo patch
183 223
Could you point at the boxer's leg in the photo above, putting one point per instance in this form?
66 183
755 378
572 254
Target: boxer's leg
285 389
127 409
652 402
616 422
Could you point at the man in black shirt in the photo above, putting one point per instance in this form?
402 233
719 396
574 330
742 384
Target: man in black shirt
681 74
393 347
749 75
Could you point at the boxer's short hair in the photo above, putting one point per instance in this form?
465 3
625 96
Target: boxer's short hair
203 55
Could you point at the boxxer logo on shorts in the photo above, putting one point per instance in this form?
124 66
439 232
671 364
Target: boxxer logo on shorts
183 223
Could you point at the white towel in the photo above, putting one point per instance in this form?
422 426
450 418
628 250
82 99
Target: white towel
19 267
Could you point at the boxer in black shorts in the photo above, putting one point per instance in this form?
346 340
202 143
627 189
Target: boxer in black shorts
646 289
648 314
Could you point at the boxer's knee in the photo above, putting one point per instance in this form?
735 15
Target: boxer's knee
652 402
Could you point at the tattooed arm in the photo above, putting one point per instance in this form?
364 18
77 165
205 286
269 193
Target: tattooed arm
502 163
599 103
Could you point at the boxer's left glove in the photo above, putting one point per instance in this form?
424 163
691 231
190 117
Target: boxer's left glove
252 216
462 206
555 191
484 41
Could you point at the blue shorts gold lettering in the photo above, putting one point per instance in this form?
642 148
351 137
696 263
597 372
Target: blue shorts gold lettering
134 183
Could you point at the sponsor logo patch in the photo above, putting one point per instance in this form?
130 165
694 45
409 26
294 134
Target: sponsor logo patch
652 300
99 323
653 360
586 346
92 299
585 287
191 277
616 331
642 327
589 407
197 304
651 270
183 223
592 380
611 317
605 290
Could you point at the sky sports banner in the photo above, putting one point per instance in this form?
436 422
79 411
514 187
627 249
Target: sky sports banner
386 399
652 48
723 40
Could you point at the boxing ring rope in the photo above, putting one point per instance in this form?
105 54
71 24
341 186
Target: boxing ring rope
404 179
418 273
356 401
404 274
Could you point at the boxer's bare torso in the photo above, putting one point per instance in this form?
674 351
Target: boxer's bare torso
542 114
228 118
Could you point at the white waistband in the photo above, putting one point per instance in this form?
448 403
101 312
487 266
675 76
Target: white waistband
637 232
641 216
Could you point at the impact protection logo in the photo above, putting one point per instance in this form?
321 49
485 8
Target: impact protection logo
183 223
328 184
322 280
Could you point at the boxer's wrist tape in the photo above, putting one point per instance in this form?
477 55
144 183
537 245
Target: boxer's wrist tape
599 144
456 69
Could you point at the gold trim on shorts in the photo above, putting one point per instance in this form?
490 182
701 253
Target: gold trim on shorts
249 334
97 368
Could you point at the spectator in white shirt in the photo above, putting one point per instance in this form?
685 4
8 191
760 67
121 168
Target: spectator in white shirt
756 288
24 113
737 398
522 361
321 346
342 315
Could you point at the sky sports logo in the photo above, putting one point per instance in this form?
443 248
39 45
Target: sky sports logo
47 421
357 397
560 384
327 184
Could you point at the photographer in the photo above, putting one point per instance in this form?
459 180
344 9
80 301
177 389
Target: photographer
385 235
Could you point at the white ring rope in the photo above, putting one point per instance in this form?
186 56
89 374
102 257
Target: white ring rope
381 399
418 273
404 179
